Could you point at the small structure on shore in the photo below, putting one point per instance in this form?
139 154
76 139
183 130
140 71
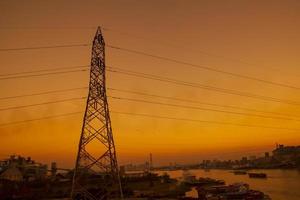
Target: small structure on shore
12 174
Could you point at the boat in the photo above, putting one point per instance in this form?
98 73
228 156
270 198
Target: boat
188 176
239 172
257 175
209 182
250 194
236 191
205 182
191 180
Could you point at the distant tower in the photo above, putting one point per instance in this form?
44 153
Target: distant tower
151 162
96 174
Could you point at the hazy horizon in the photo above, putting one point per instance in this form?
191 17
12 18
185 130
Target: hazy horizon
251 38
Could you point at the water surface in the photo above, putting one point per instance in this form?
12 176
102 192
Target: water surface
280 184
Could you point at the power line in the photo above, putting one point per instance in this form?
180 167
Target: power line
200 108
197 85
43 103
203 121
169 80
153 116
44 70
147 94
138 100
132 36
161 58
144 101
43 74
164 43
46 27
152 102
42 93
203 67
39 119
159 78
199 102
46 47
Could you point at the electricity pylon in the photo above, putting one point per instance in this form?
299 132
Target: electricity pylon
96 175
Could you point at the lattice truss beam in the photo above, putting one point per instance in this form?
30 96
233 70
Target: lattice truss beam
96 174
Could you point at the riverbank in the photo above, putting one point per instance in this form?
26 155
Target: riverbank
280 184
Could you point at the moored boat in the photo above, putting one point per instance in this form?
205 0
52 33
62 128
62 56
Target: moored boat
236 191
239 172
257 175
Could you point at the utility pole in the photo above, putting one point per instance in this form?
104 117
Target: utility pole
96 174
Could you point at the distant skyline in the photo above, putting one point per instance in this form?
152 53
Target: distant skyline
252 38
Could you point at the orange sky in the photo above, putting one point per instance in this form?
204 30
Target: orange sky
255 38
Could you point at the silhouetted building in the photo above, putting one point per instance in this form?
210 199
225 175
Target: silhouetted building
267 155
286 154
18 168
12 174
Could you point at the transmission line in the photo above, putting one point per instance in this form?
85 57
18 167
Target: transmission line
200 108
155 117
203 121
152 102
43 103
43 74
199 102
44 70
45 47
209 68
169 80
164 43
197 85
150 95
42 93
203 67
133 36
38 119
46 27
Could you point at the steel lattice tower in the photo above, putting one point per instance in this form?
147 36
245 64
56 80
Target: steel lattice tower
96 176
